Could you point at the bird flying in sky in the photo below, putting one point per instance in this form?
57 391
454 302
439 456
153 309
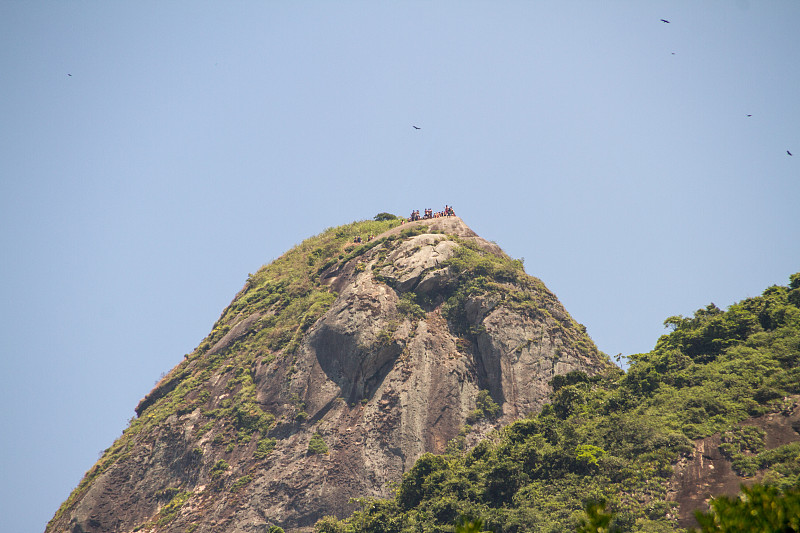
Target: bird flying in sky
788 152
665 21
416 128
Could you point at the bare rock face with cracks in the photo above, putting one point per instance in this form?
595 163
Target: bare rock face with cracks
328 375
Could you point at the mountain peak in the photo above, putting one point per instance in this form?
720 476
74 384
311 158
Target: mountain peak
328 375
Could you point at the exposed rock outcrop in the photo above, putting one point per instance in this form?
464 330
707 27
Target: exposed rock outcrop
390 370
709 473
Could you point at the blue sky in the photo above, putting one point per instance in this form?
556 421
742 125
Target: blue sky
152 154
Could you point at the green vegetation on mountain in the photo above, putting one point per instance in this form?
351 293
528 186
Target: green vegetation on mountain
614 438
485 273
317 445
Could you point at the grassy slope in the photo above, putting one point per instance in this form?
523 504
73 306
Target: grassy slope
615 437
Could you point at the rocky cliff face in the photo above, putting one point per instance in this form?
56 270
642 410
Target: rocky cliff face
329 374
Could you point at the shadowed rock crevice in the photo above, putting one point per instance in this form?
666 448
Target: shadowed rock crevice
356 369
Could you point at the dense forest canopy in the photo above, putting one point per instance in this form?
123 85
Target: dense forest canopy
614 438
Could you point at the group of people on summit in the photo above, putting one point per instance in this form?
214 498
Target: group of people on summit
448 212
